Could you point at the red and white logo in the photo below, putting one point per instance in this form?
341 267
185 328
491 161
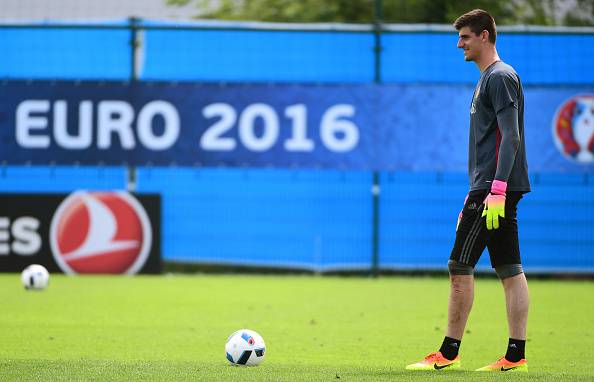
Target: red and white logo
100 232
573 128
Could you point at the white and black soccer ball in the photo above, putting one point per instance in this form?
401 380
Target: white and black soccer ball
35 277
246 348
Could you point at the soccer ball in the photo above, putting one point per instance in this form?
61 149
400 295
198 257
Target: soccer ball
35 276
245 347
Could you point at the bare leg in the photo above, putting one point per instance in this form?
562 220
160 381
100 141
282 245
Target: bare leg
460 303
516 301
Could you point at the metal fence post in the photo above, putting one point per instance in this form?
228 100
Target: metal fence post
375 189
131 182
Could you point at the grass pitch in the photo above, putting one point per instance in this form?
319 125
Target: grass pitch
315 328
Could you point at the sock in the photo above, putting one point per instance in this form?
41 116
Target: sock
450 347
515 350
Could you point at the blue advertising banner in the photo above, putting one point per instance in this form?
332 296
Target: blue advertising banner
383 127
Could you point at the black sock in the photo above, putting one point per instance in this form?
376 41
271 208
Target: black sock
450 347
515 350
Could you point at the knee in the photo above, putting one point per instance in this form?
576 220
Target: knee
508 270
457 268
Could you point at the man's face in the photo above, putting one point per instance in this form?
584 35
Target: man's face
471 44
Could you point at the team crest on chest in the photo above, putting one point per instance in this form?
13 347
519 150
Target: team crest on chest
474 98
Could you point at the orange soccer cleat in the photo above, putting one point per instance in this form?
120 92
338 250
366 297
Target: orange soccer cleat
435 361
504 365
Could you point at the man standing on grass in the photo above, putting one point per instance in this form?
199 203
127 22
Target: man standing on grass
498 176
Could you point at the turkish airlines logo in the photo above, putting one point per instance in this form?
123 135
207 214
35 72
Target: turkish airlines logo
100 232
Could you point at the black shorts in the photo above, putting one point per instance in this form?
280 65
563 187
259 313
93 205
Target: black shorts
472 235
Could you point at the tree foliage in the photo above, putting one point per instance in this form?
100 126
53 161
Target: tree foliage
506 12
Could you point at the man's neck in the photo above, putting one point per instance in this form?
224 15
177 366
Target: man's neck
487 59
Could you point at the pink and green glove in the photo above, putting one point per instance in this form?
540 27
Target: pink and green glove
495 204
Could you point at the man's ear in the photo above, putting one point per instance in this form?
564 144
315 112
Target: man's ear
485 35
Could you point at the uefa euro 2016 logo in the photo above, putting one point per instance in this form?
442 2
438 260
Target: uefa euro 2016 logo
573 128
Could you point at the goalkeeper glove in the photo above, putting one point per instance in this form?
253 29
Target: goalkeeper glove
495 204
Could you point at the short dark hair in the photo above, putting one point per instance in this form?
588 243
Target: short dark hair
478 20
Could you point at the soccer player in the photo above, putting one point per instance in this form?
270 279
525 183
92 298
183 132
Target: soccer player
498 176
